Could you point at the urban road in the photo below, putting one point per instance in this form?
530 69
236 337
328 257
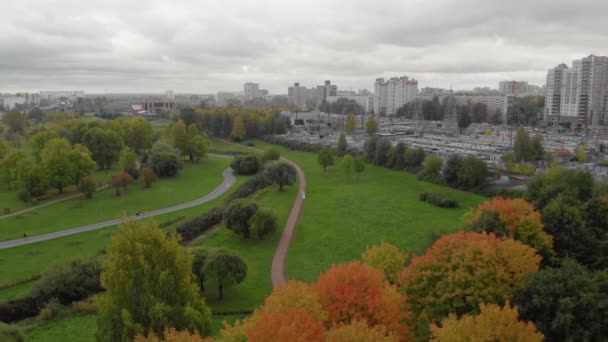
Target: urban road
228 182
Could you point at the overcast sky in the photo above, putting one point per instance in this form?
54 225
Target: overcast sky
202 46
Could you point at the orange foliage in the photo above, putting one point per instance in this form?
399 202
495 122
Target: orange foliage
353 291
295 295
289 325
359 331
492 324
462 270
172 335
387 259
521 219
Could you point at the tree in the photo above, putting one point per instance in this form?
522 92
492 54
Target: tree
105 145
83 165
138 134
181 140
15 121
464 119
493 323
248 164
128 162
431 170
581 153
68 282
171 335
56 162
238 215
270 154
387 259
149 285
354 291
473 173
294 295
538 152
13 167
371 125
342 145
461 271
199 147
264 222
147 177
165 160
289 325
567 303
348 164
522 148
226 267
369 148
280 173
517 219
544 187
39 140
451 170
358 165
359 331
351 123
479 112
381 155
35 182
87 186
238 129
121 180
325 158
563 219
4 148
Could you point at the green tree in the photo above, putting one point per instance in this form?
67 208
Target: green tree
351 123
13 167
238 215
538 152
359 166
128 162
522 148
342 144
566 303
325 158
15 121
451 170
238 129
544 187
4 148
147 177
57 164
399 162
264 222
473 173
226 267
105 145
138 134
35 182
87 186
181 140
371 125
348 164
383 148
431 170
369 148
280 173
464 119
199 147
149 285
38 140
270 154
581 153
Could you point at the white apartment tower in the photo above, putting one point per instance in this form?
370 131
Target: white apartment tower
251 90
554 92
392 94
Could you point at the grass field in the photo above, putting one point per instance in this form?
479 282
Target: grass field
76 328
193 182
342 216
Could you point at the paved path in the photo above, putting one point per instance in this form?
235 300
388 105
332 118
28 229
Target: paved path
277 270
47 204
229 180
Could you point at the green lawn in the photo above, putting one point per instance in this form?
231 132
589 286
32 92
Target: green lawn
73 328
26 261
342 216
257 253
193 182
221 146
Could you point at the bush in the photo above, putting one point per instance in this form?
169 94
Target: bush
438 200
264 222
192 229
292 144
237 216
18 309
165 164
11 333
254 184
85 307
270 154
248 164
51 311
68 282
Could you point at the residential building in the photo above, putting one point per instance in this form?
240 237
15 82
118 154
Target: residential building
513 88
365 101
299 96
553 92
497 104
251 91
391 95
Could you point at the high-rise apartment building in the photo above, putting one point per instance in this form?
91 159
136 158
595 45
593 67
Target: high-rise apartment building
513 88
579 94
391 95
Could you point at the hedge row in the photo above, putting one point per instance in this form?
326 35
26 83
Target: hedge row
438 200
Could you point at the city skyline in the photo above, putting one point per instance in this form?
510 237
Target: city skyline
190 47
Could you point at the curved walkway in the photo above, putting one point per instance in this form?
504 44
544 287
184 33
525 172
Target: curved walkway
229 181
277 270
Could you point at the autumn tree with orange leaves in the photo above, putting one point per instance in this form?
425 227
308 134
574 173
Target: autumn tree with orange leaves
492 324
290 325
359 331
461 271
514 218
353 291
172 335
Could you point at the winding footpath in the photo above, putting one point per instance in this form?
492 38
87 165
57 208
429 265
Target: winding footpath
228 182
277 270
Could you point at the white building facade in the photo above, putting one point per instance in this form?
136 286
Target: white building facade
391 95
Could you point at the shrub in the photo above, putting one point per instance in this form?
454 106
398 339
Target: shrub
270 154
147 177
51 311
248 164
11 333
17 309
438 200
86 306
191 229
238 215
264 222
165 164
280 173
254 184
68 282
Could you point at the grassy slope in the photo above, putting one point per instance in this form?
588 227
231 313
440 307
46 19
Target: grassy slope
73 328
342 216
195 181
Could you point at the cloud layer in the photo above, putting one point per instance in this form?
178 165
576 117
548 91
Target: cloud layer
205 46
